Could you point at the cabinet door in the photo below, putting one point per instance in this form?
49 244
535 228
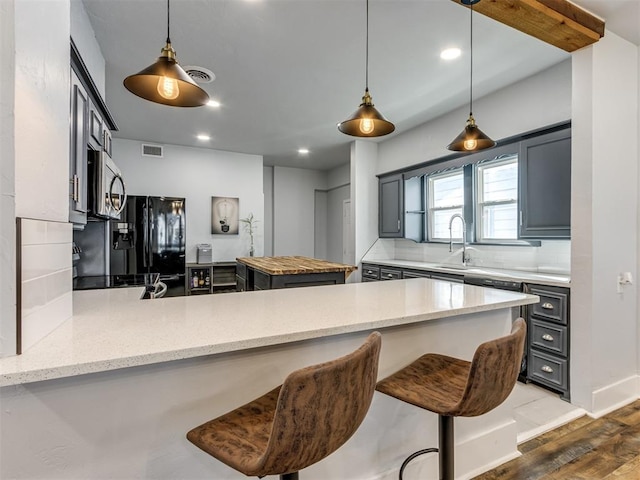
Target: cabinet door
78 152
545 186
96 126
414 206
390 207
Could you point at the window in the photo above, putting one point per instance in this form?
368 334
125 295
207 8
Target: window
446 198
497 200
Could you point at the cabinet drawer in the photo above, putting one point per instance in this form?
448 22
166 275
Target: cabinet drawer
241 270
370 272
552 306
415 274
549 336
388 274
548 369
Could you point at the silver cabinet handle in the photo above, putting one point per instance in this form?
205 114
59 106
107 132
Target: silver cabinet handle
74 183
389 275
546 369
369 272
398 224
547 306
547 337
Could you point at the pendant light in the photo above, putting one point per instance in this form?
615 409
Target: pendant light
472 138
166 82
366 121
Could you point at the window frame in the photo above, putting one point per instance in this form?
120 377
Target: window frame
430 209
479 202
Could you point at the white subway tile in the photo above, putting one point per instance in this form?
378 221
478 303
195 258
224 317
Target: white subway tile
34 295
59 284
34 232
59 232
43 321
41 260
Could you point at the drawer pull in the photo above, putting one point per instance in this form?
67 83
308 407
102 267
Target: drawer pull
547 306
389 275
547 337
369 272
546 369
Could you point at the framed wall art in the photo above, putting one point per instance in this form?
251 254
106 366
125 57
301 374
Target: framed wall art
224 215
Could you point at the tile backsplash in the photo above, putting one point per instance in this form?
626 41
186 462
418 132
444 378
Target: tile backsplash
45 278
552 256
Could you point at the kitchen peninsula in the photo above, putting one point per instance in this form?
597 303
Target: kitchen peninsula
121 384
266 273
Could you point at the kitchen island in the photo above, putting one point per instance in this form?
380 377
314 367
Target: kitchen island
112 392
266 273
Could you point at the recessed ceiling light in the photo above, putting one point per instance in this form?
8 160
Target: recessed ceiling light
450 53
303 151
203 137
213 103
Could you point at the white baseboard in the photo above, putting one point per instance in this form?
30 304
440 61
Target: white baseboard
473 456
607 399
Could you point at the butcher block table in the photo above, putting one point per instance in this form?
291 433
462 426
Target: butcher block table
266 273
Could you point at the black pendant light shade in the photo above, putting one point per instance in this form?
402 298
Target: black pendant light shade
472 138
366 121
166 82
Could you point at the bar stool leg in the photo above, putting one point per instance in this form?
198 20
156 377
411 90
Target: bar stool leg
289 476
445 444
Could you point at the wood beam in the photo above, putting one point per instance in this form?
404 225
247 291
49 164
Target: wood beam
557 22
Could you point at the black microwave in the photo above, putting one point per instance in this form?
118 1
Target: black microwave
107 192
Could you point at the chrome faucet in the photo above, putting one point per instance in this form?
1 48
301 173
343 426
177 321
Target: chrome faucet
465 259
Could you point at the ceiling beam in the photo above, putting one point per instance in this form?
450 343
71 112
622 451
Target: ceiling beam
557 22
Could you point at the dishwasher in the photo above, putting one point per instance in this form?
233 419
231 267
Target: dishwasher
513 286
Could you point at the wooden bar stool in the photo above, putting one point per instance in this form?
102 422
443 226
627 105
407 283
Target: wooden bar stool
313 413
452 387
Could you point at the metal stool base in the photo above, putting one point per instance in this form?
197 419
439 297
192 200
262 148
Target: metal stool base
445 449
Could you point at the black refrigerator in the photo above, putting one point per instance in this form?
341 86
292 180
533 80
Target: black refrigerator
150 238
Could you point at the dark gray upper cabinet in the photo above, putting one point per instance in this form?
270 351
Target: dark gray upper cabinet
78 152
414 206
391 206
545 186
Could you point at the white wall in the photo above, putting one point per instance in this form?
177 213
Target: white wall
42 109
540 100
7 181
604 332
320 226
293 209
197 174
364 198
36 73
267 174
84 38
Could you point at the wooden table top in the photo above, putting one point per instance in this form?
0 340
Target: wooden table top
294 265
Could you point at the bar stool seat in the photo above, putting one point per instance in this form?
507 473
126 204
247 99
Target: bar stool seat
313 413
452 387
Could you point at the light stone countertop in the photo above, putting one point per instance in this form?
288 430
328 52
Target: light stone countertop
526 276
113 328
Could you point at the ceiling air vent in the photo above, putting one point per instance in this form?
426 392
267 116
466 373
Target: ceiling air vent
200 74
152 150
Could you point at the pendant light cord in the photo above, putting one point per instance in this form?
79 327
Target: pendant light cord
471 62
168 22
366 83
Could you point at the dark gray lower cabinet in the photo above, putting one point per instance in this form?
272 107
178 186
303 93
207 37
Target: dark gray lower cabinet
548 343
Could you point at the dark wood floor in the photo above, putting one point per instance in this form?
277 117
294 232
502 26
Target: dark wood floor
604 449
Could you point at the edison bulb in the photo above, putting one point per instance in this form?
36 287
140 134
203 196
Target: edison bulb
366 125
470 144
168 88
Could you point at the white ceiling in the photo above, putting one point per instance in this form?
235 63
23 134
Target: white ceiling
287 71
